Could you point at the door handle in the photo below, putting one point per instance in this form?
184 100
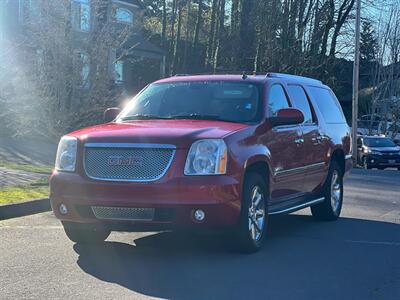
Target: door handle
299 141
317 139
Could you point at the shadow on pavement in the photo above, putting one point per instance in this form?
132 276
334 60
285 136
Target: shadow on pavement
302 259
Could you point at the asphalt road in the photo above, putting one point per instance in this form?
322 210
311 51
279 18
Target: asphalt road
357 257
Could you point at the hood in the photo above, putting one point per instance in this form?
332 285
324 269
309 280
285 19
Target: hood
385 149
180 133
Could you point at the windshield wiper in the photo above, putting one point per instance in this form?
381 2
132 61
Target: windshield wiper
200 117
144 117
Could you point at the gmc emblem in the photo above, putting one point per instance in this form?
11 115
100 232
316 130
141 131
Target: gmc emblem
125 161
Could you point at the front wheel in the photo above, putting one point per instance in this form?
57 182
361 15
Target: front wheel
254 215
365 164
330 208
85 233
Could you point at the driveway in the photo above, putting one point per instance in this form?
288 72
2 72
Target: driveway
357 257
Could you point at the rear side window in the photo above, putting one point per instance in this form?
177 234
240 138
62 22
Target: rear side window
327 104
300 101
277 100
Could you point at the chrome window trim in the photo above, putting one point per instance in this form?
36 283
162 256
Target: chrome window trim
132 146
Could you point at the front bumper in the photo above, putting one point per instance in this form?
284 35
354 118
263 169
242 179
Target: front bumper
174 199
392 161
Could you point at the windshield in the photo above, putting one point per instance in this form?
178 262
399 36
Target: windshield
379 142
209 100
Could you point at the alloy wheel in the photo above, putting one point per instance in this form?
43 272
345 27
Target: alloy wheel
336 191
256 213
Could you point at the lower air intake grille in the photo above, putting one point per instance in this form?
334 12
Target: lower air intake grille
123 213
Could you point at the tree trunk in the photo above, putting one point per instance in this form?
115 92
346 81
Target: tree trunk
164 23
199 21
211 37
177 43
187 33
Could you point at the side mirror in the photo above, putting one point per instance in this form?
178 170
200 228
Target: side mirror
110 114
287 116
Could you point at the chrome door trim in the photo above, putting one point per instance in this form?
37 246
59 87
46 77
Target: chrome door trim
297 207
300 169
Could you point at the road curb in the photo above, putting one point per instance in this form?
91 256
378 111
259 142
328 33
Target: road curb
24 209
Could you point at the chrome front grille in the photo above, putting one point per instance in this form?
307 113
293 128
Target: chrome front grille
123 213
127 162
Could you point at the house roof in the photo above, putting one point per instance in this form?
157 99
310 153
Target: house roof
138 42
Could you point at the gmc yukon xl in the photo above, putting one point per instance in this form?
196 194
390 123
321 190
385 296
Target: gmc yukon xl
215 151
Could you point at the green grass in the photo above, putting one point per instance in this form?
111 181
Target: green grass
15 194
35 168
26 192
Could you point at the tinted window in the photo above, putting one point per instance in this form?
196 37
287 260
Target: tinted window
227 101
300 101
277 100
328 105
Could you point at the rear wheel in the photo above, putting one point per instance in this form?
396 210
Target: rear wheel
330 208
254 215
85 233
365 163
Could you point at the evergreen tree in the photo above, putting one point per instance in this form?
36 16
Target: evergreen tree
368 43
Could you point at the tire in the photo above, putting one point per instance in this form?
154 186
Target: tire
381 168
398 169
365 164
330 208
85 233
250 231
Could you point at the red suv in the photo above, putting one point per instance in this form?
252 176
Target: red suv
216 151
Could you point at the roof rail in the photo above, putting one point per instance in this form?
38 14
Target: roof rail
294 77
177 75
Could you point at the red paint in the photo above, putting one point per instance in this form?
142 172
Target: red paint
218 195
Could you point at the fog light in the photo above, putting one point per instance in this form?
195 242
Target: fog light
63 209
199 215
372 161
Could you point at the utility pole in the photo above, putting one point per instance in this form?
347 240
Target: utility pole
356 73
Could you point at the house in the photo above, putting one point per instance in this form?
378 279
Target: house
131 66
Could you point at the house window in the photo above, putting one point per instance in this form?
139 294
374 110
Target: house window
119 71
26 9
81 15
83 69
123 15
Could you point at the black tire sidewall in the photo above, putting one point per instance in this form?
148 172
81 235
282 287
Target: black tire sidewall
247 243
85 233
324 210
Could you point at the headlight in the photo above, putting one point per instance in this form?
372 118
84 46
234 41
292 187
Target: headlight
207 157
66 154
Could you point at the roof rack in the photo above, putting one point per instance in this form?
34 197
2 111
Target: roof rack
294 77
178 75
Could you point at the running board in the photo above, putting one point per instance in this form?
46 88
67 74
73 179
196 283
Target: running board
296 207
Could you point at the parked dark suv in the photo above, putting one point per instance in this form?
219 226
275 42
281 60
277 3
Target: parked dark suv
378 152
216 151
